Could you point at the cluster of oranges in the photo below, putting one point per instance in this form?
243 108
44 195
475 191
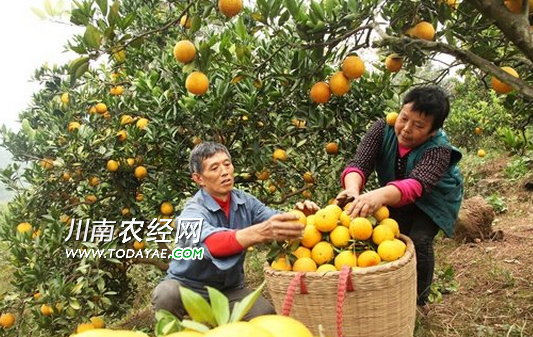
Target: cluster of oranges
332 239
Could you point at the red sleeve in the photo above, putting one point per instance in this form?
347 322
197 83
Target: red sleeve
223 244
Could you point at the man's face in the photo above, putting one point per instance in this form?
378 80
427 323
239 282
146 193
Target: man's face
216 176
412 127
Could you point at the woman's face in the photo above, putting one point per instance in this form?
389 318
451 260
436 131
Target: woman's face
413 128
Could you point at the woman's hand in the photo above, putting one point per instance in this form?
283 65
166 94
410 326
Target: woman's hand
307 206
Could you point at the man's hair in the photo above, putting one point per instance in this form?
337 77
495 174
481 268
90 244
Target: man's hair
203 151
430 101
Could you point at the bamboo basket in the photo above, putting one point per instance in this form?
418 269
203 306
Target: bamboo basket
377 301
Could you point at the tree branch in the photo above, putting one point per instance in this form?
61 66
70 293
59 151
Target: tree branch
155 262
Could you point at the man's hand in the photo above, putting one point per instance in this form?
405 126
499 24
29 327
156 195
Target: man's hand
307 206
279 227
365 204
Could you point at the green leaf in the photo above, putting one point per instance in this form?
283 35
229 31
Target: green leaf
92 37
197 307
102 4
39 13
126 21
240 28
283 18
220 305
292 7
113 14
194 325
195 23
242 307
48 7
318 10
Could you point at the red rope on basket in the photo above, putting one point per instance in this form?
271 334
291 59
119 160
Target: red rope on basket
345 284
291 291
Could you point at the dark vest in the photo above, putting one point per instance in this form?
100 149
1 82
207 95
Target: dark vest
442 203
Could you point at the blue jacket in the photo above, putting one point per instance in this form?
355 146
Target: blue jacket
442 203
220 273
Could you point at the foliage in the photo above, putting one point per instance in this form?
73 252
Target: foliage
261 65
497 202
443 283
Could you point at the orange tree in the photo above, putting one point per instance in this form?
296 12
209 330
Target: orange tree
108 135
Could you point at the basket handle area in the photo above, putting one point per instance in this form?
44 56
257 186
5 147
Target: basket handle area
345 284
291 291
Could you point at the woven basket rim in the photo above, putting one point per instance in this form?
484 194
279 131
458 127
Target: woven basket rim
384 268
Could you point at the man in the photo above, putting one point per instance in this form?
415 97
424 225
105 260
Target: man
232 221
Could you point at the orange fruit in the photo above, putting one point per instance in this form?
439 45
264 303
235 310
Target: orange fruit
301 216
353 67
310 237
263 175
24 227
393 225
281 326
424 30
101 108
326 220
340 236
116 90
98 322
72 126
141 123
382 233
391 118
311 219
393 63
185 21
332 148
281 264
481 153
361 228
279 154
91 199
322 252
230 8
138 245
94 181
302 251
308 177
389 250
515 6
46 310
112 165
64 98
126 119
122 135
478 130
368 258
339 84
381 213
7 320
84 327
197 83
345 219
304 264
345 258
320 92
184 51
140 172
166 208
324 268
47 163
501 87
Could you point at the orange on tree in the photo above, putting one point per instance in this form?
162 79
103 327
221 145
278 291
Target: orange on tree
126 119
320 92
138 245
112 165
64 98
166 208
391 118
197 83
478 130
279 154
332 148
46 310
98 322
230 8
7 320
24 227
47 163
515 6
140 172
141 123
353 67
122 135
501 87
91 199
339 84
308 177
116 90
393 63
424 30
73 126
185 21
481 153
184 51
130 161
84 327
263 175
125 211
101 108
282 326
307 194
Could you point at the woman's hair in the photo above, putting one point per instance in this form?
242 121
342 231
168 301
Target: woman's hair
430 101
203 151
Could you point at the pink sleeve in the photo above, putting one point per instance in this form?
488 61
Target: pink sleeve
410 188
350 170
